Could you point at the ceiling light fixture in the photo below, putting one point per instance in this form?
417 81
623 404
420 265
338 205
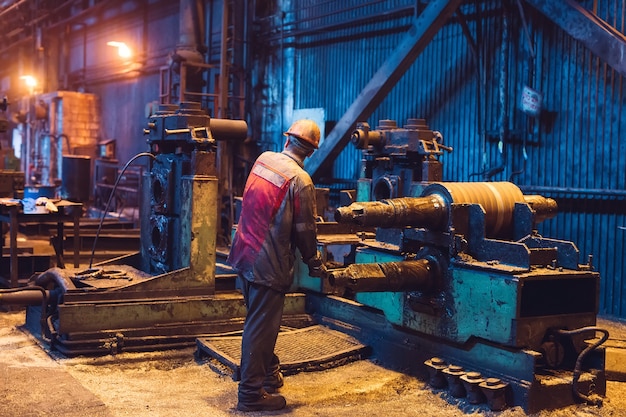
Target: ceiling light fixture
122 49
29 80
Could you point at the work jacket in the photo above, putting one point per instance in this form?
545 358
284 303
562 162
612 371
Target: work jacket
277 216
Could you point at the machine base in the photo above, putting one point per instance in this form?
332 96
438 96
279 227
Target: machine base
516 375
102 327
526 384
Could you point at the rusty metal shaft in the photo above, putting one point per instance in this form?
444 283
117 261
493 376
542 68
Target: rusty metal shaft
396 212
545 208
432 209
417 275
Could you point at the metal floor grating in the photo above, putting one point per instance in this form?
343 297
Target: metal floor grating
309 349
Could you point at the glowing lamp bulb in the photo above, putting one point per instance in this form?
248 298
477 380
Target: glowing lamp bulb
122 49
29 80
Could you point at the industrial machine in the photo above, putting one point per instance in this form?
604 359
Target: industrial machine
171 291
447 280
475 296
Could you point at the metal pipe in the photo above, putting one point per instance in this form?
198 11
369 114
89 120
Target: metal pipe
605 192
32 300
222 107
189 49
23 296
417 275
95 347
228 129
503 86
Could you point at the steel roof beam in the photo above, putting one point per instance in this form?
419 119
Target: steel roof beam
423 30
597 35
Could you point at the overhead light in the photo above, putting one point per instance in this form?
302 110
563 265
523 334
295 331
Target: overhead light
122 49
31 83
29 80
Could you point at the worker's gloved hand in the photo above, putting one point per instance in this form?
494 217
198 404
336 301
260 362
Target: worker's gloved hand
317 267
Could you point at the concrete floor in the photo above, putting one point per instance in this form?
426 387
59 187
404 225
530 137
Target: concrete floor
36 382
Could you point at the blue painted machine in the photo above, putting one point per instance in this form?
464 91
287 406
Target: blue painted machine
464 280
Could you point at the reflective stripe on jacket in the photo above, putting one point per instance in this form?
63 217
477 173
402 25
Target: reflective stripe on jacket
277 216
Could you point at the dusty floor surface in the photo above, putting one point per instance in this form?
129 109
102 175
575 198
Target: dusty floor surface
34 382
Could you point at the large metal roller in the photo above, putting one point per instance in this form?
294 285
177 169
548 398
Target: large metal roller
228 130
432 209
416 275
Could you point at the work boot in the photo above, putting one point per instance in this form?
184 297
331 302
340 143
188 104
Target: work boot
274 382
265 402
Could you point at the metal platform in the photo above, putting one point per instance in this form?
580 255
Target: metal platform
308 349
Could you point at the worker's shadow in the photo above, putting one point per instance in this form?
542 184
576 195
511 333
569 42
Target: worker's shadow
285 411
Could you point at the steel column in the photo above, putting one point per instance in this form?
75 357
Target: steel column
601 38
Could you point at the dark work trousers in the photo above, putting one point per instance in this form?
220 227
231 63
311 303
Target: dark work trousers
260 330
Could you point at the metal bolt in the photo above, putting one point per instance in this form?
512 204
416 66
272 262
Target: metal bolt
453 375
495 392
471 382
435 367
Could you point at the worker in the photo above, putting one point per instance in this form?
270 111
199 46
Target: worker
277 217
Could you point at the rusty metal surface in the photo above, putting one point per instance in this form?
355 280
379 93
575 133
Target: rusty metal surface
200 195
92 316
112 281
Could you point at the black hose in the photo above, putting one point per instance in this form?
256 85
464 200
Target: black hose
67 142
589 399
106 208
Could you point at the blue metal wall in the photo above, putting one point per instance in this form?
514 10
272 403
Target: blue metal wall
468 86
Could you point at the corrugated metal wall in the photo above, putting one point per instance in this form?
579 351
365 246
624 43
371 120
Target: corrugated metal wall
469 88
580 160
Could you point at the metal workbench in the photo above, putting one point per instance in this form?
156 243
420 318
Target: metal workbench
12 212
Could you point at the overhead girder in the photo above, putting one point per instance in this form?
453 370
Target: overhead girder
597 35
423 30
